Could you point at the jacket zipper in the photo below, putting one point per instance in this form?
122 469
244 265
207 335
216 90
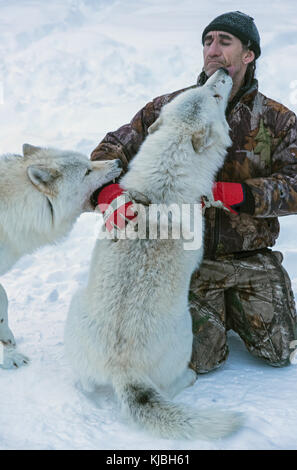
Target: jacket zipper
216 233
216 229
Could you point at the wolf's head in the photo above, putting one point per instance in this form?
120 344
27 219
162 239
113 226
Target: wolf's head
186 145
57 187
200 113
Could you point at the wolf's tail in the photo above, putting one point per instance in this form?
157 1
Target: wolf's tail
169 420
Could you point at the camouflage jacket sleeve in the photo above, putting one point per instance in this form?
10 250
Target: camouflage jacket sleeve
125 142
276 195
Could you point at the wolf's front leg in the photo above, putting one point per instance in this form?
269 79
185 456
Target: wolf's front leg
9 357
6 335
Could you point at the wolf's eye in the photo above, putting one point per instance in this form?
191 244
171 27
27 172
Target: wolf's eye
217 96
88 172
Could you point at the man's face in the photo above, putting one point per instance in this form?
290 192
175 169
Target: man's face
222 49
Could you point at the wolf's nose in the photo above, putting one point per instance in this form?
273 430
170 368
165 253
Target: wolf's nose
119 162
224 70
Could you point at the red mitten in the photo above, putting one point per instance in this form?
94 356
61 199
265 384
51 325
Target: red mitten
115 205
236 197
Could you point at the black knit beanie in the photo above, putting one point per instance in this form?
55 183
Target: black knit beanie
240 25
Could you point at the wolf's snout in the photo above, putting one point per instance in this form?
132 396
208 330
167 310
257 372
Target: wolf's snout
224 70
119 163
221 76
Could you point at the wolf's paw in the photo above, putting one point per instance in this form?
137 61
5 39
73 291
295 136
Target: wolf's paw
138 197
6 337
13 359
209 201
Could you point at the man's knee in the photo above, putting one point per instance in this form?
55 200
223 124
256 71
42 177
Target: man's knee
279 350
205 358
210 348
287 355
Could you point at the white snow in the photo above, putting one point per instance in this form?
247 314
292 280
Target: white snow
70 72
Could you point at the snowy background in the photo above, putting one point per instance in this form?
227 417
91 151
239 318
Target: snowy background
70 71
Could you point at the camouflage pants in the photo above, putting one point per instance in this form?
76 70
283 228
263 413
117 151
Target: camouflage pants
251 296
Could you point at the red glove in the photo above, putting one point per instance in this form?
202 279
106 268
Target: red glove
115 206
237 197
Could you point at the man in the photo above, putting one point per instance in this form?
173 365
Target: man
241 283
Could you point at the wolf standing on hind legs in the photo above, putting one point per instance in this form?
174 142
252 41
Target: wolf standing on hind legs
130 327
241 283
41 195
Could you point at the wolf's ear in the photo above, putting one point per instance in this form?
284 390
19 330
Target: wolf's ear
155 126
202 139
30 149
42 177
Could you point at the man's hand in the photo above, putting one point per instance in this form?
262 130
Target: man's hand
234 197
116 205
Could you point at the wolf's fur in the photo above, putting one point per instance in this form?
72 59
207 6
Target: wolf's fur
131 326
41 195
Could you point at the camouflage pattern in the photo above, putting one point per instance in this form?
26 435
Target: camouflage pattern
250 295
263 155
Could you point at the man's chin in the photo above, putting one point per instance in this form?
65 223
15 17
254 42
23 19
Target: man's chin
212 68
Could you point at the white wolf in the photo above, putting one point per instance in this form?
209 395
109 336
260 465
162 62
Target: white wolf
41 195
131 326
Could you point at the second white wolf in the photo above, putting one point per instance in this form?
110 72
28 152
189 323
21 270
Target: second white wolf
131 326
42 193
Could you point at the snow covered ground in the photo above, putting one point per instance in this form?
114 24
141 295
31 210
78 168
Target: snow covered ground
71 71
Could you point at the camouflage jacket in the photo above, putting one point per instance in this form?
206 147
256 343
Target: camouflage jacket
263 155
